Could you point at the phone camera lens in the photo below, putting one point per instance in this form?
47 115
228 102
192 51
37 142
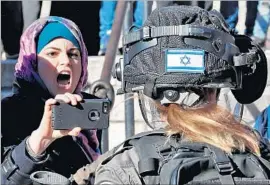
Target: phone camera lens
94 115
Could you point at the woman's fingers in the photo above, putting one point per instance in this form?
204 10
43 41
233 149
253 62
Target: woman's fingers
75 131
78 97
48 104
45 127
69 98
72 98
48 108
62 98
62 133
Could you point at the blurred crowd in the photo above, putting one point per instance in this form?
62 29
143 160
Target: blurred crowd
95 19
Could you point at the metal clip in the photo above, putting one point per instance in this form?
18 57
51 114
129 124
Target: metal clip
224 167
221 160
200 32
146 33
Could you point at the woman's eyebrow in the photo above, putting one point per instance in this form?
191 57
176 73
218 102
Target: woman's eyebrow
74 49
52 47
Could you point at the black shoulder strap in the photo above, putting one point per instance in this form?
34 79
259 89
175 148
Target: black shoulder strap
223 165
148 150
264 162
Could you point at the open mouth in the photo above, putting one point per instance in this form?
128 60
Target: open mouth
63 78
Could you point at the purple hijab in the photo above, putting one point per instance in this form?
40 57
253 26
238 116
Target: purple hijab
26 67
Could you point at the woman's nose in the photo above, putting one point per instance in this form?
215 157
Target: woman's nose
64 59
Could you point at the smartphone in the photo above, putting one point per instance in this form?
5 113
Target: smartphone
88 114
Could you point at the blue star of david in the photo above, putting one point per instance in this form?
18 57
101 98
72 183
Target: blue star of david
185 60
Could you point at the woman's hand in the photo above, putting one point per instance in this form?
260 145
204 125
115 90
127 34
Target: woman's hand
41 138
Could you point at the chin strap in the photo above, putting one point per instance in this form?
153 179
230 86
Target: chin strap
238 111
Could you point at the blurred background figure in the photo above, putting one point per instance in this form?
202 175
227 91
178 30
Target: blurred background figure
207 5
16 17
86 15
230 10
262 124
106 17
262 24
31 12
11 28
157 4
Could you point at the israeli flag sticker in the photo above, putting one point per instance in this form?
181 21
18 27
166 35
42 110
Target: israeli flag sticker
184 60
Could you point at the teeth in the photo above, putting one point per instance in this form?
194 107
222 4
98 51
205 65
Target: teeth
64 73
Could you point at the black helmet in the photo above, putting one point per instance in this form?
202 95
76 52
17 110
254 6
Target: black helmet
188 47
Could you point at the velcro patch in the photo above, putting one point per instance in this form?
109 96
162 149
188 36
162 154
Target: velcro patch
184 60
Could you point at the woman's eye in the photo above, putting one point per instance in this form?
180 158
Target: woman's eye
74 55
52 54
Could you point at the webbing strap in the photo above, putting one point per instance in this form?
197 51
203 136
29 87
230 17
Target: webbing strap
12 173
148 165
149 89
180 30
264 162
245 59
223 165
8 166
148 32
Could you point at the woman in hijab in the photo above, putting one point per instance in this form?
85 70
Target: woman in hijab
52 66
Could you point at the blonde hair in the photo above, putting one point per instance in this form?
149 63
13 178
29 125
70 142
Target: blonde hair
210 124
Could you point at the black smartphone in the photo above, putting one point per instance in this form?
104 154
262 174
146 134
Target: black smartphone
88 114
